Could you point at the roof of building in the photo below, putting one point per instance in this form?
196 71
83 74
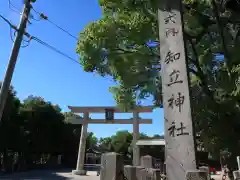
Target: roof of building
94 151
151 142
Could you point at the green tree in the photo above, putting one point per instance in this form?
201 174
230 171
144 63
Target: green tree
10 129
119 40
36 130
69 115
44 127
91 140
71 133
121 142
105 144
157 136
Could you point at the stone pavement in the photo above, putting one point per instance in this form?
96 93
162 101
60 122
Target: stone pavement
49 175
60 175
218 176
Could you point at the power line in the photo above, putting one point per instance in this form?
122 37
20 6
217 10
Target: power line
41 17
54 49
13 8
40 41
16 10
16 29
8 22
44 17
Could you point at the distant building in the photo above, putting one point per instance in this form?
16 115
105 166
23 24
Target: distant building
156 148
93 156
152 147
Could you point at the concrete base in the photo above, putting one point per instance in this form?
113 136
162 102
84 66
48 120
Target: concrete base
79 172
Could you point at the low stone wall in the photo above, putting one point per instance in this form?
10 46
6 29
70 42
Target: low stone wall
113 168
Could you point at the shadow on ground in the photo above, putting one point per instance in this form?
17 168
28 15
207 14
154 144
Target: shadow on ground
36 175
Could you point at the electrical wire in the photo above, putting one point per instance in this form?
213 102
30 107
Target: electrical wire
13 8
15 28
63 30
54 49
7 21
44 17
41 17
42 42
16 10
11 34
39 41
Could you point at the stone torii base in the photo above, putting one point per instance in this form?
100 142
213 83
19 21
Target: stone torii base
135 121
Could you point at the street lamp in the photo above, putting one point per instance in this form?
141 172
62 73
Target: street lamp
233 5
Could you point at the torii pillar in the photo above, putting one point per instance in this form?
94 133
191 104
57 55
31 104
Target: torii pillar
135 121
136 151
82 146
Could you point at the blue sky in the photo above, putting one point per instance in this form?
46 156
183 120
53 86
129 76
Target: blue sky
42 72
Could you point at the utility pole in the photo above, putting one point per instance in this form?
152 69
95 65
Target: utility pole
14 54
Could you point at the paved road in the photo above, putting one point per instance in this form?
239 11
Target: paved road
49 175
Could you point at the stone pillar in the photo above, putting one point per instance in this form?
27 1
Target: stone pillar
112 167
162 167
103 167
205 168
138 172
150 174
144 174
130 172
236 175
238 162
147 161
196 175
136 151
156 174
82 146
179 133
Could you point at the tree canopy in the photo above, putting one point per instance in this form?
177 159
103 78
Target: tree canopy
121 142
124 44
35 131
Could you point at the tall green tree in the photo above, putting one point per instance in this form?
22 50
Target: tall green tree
121 142
106 144
91 140
36 131
44 124
116 45
11 134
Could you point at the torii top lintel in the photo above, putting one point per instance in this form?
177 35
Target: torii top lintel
100 109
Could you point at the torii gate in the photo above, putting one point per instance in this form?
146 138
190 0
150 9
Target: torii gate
109 119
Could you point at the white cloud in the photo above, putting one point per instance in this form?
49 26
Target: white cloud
162 133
